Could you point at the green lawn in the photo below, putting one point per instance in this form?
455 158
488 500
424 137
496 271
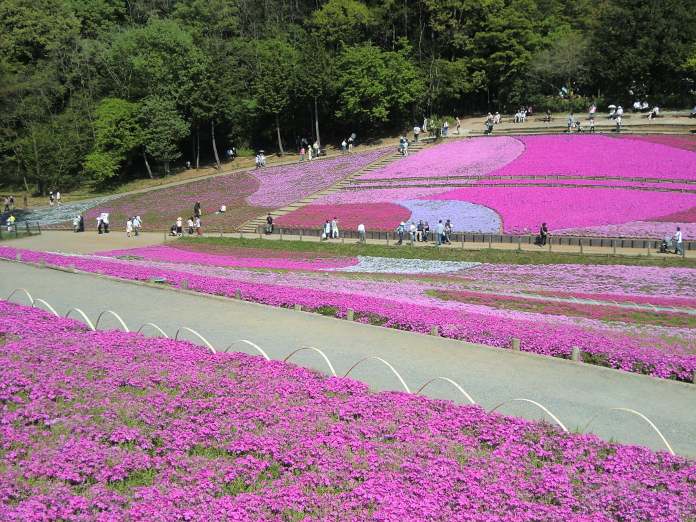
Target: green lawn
446 254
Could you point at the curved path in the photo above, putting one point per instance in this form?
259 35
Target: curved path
574 393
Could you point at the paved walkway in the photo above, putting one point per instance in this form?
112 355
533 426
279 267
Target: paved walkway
85 242
574 392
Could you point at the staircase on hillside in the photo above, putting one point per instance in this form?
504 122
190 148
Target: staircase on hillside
252 226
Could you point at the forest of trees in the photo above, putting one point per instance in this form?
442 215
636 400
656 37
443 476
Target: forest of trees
108 90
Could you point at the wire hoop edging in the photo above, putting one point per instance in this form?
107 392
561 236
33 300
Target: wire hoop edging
317 350
638 414
118 317
46 304
153 325
31 299
375 357
84 316
543 408
253 345
194 332
447 379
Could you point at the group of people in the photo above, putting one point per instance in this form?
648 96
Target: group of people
193 223
260 160
576 124
403 145
133 226
330 230
421 232
8 204
54 198
312 151
348 144
521 115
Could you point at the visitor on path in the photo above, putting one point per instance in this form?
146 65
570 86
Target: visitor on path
426 231
351 141
361 233
693 112
179 226
619 122
459 125
543 235
592 125
448 231
334 228
496 118
344 144
189 225
425 124
445 128
400 230
654 113
51 198
10 222
440 232
260 160
76 224
315 147
12 203
419 231
327 230
137 225
678 242
592 111
416 133
129 227
412 231
197 226
269 224
6 204
81 227
223 209
188 165
571 122
302 153
619 112
58 198
197 209
103 223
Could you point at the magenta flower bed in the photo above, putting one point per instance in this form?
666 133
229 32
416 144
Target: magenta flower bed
285 184
114 426
405 310
523 209
375 216
644 229
679 142
468 157
591 182
593 155
176 255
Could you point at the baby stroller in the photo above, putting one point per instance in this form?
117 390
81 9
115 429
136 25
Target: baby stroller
666 245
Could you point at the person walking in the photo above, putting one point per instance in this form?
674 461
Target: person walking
197 209
543 235
412 231
129 227
343 146
58 197
189 225
105 221
416 133
315 147
448 231
197 226
440 232
678 242
361 233
269 224
400 232
137 224
445 128
571 122
334 228
6 202
302 153
179 226
327 230
592 125
51 198
351 140
10 222
12 203
459 125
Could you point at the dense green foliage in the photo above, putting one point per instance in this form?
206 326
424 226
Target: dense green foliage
103 90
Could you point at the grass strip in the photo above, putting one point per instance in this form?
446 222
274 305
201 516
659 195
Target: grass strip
444 254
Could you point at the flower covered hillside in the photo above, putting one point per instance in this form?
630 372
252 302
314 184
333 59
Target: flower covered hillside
114 426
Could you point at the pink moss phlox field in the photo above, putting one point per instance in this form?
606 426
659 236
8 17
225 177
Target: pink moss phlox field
286 184
176 255
593 155
679 142
523 209
634 229
378 216
609 183
408 308
111 426
475 156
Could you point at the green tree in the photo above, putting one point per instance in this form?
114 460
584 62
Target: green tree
341 22
275 79
163 129
375 86
563 63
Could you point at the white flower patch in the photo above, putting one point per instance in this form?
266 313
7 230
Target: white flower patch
389 265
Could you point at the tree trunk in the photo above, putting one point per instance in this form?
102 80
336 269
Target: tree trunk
316 122
198 148
280 141
166 168
26 185
212 136
36 163
147 166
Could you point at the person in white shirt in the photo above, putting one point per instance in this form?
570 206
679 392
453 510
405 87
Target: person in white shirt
137 224
179 226
361 233
58 198
197 226
412 231
189 224
129 227
678 243
416 132
334 228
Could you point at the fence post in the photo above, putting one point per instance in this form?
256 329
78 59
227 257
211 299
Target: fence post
515 345
300 234
613 246
576 354
350 314
490 242
281 234
519 243
580 241
387 238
